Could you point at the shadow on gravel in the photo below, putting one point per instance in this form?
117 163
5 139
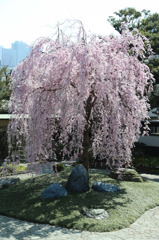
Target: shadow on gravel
150 177
20 230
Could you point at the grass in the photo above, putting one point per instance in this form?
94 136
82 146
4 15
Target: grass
15 169
23 201
147 161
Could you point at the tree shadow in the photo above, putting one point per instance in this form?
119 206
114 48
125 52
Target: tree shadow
22 230
154 179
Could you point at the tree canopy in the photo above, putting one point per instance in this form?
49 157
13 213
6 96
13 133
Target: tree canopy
130 16
87 89
5 90
148 25
146 22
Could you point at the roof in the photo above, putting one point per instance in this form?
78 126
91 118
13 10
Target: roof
153 114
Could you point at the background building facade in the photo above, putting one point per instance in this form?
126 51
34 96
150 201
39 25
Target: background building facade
12 56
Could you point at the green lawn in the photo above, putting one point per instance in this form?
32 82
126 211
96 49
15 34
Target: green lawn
23 201
14 169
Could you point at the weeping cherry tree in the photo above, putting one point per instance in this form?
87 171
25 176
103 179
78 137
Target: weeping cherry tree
90 91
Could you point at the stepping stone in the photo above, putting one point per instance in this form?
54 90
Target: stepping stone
103 187
6 182
54 190
95 213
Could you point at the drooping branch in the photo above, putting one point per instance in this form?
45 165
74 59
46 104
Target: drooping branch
81 87
42 90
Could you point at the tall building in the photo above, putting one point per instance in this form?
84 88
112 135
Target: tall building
21 51
12 56
8 57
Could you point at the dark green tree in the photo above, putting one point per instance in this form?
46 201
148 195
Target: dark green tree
148 25
146 22
153 64
130 16
150 29
5 91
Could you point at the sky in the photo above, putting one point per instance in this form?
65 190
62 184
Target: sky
27 20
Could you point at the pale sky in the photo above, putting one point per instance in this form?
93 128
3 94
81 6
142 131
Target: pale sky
27 20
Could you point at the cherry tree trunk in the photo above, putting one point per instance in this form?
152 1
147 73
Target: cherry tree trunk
84 157
86 137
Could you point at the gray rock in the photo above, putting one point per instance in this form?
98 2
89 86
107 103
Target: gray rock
6 182
126 174
54 190
78 180
95 213
103 187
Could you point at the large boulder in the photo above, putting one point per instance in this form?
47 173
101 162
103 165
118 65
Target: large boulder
54 190
7 182
126 174
78 180
104 187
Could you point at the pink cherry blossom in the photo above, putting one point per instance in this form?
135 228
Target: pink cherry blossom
91 90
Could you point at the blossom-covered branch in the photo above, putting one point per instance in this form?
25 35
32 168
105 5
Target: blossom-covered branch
92 92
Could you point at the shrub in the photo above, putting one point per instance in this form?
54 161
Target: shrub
59 167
